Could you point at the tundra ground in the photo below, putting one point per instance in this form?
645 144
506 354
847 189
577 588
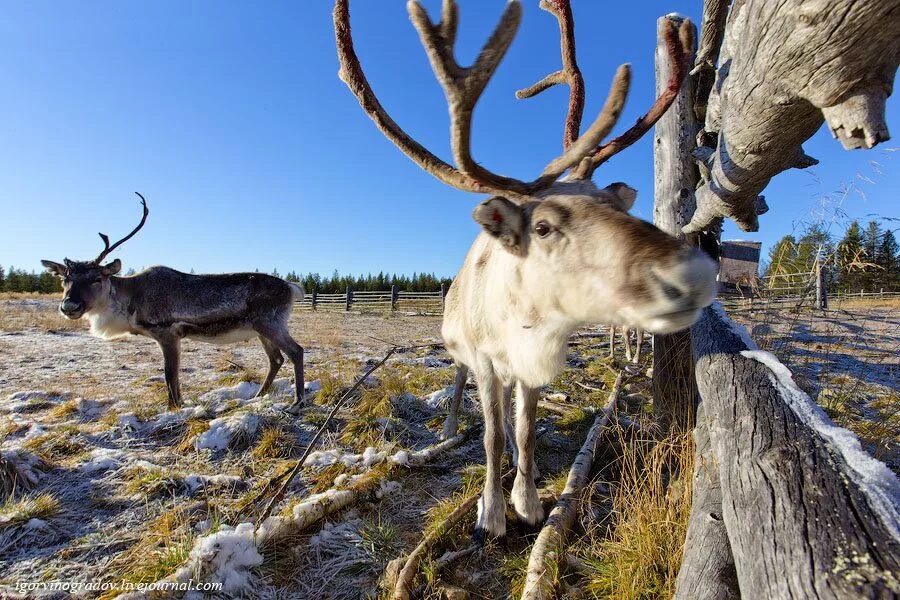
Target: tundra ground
103 484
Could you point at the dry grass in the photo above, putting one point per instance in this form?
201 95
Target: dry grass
163 547
274 442
192 428
14 513
57 445
641 556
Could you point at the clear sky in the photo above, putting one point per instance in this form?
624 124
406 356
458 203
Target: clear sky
229 117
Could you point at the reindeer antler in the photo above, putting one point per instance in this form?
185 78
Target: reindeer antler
569 74
463 87
107 248
679 45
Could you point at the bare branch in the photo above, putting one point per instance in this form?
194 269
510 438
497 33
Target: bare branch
107 248
679 43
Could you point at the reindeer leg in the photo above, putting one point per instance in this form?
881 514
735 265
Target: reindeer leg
276 359
626 340
508 428
451 423
171 351
524 496
280 336
637 350
491 520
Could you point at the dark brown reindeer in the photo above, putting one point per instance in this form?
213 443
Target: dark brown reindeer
168 306
554 254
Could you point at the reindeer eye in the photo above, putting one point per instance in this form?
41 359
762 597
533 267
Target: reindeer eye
542 228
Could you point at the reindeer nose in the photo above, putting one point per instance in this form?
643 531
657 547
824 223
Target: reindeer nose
689 282
70 307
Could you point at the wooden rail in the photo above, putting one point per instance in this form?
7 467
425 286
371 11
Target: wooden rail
393 300
791 505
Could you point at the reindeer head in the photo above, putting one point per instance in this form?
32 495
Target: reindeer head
567 242
86 285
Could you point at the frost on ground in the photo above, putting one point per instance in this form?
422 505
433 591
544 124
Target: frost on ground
109 485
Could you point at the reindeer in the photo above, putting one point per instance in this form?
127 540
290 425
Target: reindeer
167 306
554 254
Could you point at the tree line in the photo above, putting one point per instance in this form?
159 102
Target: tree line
19 280
862 259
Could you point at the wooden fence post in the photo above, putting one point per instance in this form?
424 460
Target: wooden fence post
349 298
394 294
676 176
443 296
315 298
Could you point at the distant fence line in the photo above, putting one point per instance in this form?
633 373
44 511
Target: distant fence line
393 300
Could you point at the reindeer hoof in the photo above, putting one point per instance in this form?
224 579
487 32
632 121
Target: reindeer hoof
481 536
295 408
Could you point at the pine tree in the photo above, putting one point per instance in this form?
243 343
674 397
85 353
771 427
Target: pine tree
2 279
850 260
888 260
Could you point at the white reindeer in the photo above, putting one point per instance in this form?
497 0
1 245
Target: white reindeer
553 255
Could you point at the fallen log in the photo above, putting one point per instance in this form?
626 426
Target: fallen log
550 543
785 68
808 513
403 588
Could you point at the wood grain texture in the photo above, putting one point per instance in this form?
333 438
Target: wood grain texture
786 67
798 524
675 177
707 567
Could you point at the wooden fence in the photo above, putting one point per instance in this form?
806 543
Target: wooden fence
393 300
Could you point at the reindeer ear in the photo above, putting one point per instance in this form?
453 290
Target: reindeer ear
504 220
54 267
111 268
623 195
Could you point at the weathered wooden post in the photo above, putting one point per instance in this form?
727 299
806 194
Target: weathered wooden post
349 297
821 292
394 295
315 298
676 177
443 296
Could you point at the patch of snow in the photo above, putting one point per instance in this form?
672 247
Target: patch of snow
225 557
386 488
169 419
129 422
103 459
244 390
21 401
880 485
28 466
400 458
196 482
38 524
324 458
35 430
223 430
440 398
312 386
738 330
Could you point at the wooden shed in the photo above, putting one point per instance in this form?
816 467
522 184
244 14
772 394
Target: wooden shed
739 266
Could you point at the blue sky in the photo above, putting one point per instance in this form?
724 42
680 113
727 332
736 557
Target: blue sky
229 117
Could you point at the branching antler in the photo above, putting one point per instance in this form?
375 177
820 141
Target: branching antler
107 248
463 87
352 74
569 74
679 44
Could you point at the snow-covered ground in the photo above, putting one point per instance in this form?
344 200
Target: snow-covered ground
146 494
